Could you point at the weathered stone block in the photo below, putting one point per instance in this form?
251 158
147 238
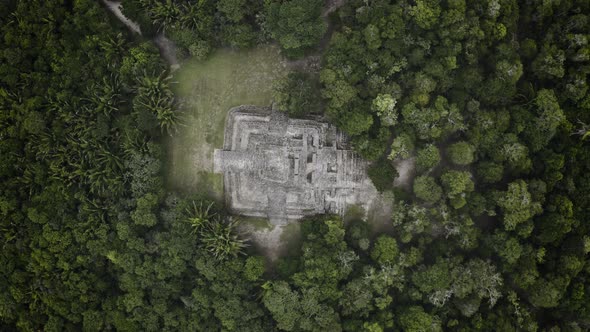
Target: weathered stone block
284 168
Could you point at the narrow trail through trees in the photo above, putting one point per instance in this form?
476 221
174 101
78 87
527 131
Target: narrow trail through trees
165 45
332 6
312 62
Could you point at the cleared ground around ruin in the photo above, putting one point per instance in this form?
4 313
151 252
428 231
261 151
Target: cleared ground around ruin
209 89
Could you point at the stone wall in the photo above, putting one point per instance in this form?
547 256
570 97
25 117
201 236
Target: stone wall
284 168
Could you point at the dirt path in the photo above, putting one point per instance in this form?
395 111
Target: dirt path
165 45
312 62
167 50
115 8
406 168
267 241
273 242
332 6
309 64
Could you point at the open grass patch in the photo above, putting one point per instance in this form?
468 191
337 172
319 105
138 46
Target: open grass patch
379 215
257 224
291 237
353 213
208 90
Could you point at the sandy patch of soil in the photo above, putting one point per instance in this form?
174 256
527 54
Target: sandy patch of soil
406 169
274 242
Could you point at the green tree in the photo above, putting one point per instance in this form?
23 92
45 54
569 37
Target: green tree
549 63
547 292
370 146
425 13
427 158
411 220
457 184
461 153
557 220
298 94
517 205
325 259
414 319
372 37
283 303
234 10
507 247
338 91
385 250
516 156
402 146
254 268
490 172
435 278
239 35
426 188
221 239
155 99
144 213
296 24
382 174
384 106
549 117
356 122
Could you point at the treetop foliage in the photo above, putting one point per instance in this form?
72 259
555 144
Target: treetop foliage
490 97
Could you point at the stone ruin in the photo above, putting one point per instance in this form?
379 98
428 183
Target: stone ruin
280 168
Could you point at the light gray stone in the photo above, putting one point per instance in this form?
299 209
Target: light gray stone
283 169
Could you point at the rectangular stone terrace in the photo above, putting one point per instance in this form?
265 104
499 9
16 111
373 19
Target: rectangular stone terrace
282 168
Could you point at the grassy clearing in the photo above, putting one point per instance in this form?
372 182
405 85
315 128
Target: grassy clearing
379 215
353 213
257 224
291 237
209 89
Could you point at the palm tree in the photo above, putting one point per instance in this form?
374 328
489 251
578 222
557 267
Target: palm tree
220 239
165 112
196 16
216 235
583 131
114 47
200 216
105 97
165 15
154 94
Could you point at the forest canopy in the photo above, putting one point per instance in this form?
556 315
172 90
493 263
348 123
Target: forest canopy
488 98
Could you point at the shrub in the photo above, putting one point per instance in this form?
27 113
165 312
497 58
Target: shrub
426 188
382 173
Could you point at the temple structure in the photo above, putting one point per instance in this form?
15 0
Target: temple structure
283 168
